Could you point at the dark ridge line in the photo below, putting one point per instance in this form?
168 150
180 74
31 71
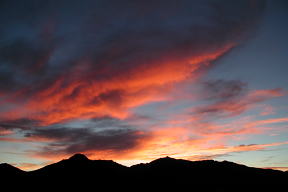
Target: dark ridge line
79 157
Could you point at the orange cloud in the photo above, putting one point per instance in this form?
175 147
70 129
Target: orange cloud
5 132
267 121
78 98
23 140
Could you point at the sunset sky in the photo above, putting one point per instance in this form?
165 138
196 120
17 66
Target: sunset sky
136 80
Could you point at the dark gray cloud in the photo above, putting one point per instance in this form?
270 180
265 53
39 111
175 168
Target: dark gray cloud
108 122
226 98
73 140
104 133
20 124
224 89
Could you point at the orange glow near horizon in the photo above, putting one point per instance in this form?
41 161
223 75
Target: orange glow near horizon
192 153
177 142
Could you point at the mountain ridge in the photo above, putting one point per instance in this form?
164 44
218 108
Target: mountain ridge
164 173
79 157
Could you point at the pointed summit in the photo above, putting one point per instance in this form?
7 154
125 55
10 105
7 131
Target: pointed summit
79 157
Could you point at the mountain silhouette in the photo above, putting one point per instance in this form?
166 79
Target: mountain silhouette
78 165
9 170
78 157
161 174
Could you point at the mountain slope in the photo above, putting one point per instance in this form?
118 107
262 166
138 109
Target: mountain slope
7 170
210 175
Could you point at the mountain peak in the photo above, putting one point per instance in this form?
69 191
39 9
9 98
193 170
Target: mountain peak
79 157
167 158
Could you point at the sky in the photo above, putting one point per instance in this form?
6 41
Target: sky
133 81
